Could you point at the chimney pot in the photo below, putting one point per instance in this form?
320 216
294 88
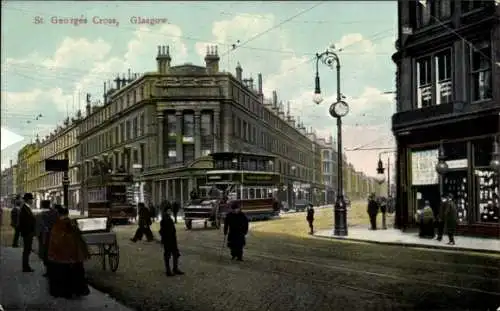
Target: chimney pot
259 83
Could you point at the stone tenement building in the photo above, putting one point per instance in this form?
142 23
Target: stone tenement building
61 142
168 120
28 168
8 183
448 98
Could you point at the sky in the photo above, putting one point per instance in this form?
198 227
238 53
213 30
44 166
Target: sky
47 68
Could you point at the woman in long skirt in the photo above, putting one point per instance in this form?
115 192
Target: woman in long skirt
66 254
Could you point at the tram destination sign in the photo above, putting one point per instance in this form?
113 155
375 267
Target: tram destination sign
244 178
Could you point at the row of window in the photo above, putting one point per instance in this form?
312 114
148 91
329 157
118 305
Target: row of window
264 114
260 137
54 179
187 132
429 12
111 108
58 144
435 80
120 133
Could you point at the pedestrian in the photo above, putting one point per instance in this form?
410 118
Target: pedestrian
236 228
440 217
27 228
144 225
310 218
372 211
425 219
450 220
383 210
176 206
152 212
66 255
47 219
168 235
14 220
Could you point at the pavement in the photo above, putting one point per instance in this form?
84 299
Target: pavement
29 291
411 239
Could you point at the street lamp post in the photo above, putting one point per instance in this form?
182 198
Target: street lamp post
338 110
380 177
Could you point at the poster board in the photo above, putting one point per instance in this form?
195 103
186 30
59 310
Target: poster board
423 167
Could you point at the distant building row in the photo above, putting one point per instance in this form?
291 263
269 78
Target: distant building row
162 122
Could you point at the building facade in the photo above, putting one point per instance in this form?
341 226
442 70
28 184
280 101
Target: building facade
8 183
166 122
329 158
448 94
28 169
62 143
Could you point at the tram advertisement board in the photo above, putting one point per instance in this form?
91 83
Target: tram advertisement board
260 179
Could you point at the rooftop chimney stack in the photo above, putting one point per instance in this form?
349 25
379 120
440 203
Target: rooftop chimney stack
250 83
124 80
163 59
275 99
129 76
212 60
259 84
118 82
87 106
105 94
239 72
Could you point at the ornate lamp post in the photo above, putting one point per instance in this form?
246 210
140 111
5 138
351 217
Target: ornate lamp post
380 177
441 166
337 110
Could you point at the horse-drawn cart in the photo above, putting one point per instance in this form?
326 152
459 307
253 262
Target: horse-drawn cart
102 242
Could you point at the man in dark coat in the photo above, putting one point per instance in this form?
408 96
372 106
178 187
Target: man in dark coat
372 211
14 220
27 227
450 219
236 228
176 206
168 235
383 210
440 216
152 211
47 219
310 218
144 224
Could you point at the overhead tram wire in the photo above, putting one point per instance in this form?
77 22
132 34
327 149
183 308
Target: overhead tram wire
241 44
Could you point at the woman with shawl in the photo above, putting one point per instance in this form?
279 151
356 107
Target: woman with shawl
67 252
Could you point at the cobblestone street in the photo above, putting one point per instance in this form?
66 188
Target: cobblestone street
289 272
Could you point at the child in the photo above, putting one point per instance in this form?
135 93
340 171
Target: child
310 218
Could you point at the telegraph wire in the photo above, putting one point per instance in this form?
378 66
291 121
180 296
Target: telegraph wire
278 25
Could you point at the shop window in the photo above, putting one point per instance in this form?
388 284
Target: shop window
482 152
488 192
455 151
455 183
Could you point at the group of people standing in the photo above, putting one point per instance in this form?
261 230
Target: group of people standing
376 205
61 246
443 218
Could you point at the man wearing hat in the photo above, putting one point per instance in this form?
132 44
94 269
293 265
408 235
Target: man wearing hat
168 235
14 220
27 226
236 228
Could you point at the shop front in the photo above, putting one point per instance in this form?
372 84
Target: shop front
466 147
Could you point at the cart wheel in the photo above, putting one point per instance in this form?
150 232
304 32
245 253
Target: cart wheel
102 256
189 224
114 256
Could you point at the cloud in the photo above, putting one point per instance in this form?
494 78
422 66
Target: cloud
78 53
9 138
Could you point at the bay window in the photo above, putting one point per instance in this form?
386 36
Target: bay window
207 139
481 84
424 80
443 78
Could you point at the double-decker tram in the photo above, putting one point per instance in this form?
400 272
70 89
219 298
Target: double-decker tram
248 178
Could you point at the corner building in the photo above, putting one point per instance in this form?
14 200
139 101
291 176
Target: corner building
448 91
169 120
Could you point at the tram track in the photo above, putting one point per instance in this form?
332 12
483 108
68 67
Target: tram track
344 268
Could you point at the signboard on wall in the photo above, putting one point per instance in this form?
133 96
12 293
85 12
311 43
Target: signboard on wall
423 167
